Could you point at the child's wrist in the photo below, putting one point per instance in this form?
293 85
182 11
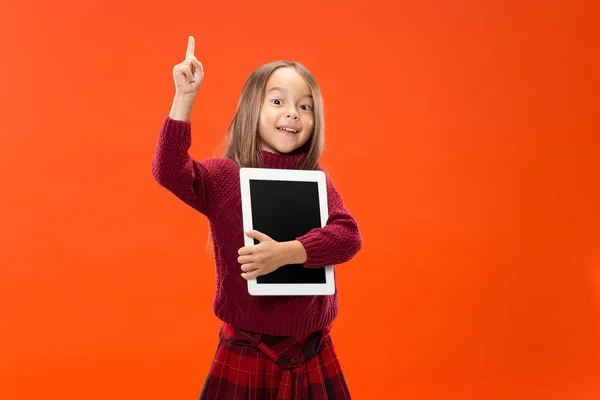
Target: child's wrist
181 107
293 252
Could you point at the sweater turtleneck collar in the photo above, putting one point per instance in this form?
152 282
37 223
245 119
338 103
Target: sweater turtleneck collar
281 161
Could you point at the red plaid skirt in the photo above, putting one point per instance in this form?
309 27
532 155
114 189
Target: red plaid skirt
249 366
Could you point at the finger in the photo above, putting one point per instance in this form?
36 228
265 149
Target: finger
251 275
183 69
199 68
189 54
245 259
188 73
246 250
261 237
249 267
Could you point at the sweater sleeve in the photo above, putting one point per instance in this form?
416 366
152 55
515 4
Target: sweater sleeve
338 241
175 170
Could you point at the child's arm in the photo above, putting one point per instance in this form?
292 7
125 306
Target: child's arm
338 241
175 170
172 167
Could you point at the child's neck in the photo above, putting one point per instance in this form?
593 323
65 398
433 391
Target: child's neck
282 161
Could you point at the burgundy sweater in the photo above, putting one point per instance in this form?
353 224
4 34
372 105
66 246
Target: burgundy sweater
212 187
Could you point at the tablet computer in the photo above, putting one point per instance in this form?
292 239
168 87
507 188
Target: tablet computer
285 204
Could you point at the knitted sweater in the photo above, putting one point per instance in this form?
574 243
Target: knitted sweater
212 187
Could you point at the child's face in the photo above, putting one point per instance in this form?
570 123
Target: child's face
288 104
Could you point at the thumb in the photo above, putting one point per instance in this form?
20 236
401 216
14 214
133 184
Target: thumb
261 237
199 68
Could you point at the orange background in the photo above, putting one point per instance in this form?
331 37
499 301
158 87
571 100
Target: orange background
462 135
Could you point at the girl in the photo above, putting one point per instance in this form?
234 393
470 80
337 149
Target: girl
270 347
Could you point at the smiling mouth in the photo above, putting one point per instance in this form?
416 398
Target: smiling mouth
287 130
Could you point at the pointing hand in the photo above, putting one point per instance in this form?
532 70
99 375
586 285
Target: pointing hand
189 73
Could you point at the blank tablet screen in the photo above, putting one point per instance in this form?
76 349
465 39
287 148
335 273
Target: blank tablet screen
284 210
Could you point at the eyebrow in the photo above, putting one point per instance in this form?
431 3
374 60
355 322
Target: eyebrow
284 90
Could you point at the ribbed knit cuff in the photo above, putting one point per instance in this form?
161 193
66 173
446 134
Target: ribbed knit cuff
314 258
176 133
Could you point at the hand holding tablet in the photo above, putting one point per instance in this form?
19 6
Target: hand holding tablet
283 205
265 257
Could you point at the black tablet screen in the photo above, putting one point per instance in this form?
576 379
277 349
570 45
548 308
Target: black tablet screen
284 210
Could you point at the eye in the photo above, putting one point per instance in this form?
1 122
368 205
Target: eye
306 107
275 101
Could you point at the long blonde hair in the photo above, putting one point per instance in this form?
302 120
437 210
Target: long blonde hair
243 145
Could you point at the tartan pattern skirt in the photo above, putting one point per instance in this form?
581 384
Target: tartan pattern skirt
250 366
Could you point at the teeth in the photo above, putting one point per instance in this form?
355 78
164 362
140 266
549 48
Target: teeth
289 130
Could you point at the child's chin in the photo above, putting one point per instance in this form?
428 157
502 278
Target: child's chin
285 150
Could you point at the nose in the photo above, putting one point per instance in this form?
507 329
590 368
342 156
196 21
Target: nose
291 114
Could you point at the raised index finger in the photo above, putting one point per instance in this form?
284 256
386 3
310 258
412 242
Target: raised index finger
189 54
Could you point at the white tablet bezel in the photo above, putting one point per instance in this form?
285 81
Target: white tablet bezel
285 289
